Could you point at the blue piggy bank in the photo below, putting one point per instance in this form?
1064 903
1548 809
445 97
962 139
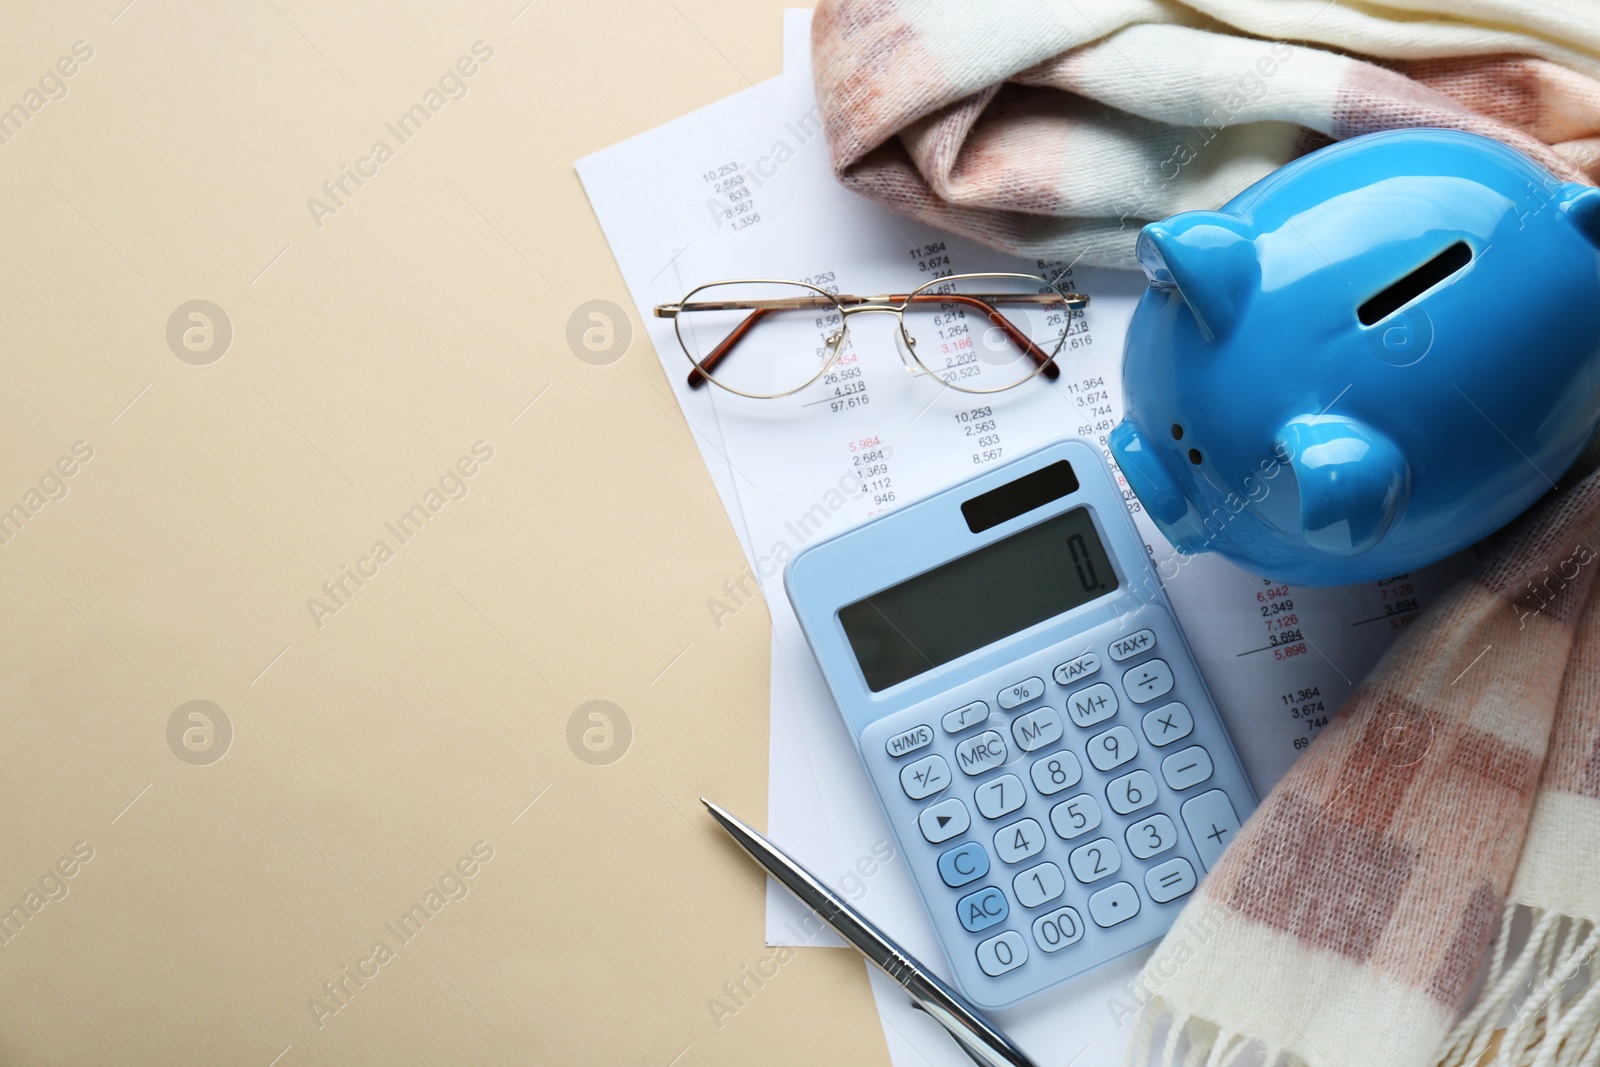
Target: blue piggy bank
1370 359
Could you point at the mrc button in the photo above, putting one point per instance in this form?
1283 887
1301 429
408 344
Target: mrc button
910 741
978 754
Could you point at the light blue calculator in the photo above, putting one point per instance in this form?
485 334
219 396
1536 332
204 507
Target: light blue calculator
1030 715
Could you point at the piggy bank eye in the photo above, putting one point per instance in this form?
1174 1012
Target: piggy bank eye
1194 456
1177 432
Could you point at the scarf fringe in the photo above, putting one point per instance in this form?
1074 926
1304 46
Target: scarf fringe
1191 1041
1554 1016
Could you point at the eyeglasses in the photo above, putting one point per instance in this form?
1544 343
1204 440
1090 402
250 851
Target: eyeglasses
790 334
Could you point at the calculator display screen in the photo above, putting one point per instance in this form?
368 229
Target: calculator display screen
906 629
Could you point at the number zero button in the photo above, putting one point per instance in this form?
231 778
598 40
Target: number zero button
1005 952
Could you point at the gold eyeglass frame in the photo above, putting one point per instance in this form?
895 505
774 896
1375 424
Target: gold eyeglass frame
892 304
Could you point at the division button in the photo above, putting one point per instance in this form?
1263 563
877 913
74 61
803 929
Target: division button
1148 680
1116 903
944 820
925 777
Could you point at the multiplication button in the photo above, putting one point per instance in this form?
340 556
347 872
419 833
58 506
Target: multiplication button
1147 681
1168 723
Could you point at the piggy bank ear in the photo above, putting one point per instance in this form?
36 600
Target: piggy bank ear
1581 204
1209 258
1353 481
1147 475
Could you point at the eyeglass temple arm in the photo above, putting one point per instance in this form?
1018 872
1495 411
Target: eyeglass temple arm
697 376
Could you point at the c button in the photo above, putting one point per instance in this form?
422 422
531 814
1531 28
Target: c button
964 864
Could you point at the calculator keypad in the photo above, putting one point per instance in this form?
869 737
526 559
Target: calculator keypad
1077 811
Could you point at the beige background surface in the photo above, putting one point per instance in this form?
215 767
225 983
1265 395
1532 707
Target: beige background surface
374 745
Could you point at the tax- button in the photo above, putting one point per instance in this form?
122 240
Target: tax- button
963 864
1079 667
1147 681
981 910
1014 696
977 754
1116 903
944 820
925 777
908 742
965 717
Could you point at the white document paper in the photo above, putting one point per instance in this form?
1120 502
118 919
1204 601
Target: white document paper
670 204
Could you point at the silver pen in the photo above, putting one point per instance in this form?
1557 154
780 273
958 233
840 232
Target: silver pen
978 1037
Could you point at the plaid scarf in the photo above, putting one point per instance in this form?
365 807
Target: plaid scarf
1350 919
1058 128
